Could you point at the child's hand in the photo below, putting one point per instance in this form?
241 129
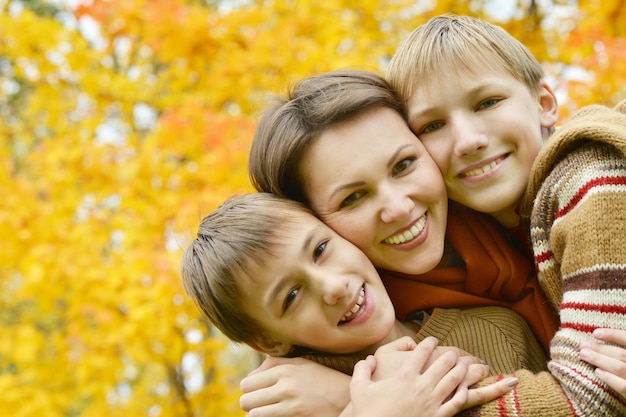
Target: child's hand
391 356
477 371
610 360
284 387
408 391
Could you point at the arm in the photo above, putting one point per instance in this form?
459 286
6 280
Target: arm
578 237
577 234
542 394
290 386
283 387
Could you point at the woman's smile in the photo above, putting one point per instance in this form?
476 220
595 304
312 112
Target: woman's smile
372 181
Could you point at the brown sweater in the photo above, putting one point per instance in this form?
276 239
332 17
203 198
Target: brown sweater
511 343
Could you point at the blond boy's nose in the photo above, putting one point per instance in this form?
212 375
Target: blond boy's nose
470 143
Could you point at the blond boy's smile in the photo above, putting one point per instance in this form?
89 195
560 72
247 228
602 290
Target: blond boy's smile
484 168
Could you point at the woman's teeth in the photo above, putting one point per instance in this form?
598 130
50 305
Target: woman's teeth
355 308
408 235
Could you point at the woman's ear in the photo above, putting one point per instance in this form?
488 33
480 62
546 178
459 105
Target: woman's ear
266 344
549 106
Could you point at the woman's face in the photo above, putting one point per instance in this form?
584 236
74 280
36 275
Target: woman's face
372 181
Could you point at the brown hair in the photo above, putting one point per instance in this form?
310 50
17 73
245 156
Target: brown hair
293 123
243 229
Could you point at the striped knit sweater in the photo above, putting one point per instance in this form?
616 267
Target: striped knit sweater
575 210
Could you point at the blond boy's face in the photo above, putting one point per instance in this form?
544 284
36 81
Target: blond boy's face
374 183
484 131
319 292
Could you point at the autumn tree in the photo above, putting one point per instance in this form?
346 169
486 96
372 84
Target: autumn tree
124 122
99 161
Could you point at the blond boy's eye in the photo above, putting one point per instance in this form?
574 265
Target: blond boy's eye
488 103
432 127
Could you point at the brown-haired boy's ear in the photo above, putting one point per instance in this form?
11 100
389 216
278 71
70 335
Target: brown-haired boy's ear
265 344
549 106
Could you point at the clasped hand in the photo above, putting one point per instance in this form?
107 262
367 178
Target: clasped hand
402 377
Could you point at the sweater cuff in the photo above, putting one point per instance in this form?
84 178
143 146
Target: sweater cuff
535 395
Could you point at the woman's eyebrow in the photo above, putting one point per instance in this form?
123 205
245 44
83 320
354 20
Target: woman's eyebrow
395 155
345 186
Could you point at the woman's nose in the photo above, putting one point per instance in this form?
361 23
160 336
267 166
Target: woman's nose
397 205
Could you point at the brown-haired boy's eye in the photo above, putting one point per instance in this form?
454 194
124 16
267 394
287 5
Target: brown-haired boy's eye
319 250
291 295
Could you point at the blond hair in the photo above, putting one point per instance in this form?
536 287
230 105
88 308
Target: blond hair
458 43
242 230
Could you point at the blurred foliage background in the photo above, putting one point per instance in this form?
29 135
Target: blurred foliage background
123 122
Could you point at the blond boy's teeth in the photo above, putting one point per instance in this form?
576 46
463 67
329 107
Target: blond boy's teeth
485 168
408 235
355 308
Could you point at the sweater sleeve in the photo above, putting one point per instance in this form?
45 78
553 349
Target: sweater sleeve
578 234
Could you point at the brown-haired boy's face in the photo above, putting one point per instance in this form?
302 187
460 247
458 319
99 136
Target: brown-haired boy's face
484 130
319 291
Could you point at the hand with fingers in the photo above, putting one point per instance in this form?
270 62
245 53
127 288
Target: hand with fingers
390 357
609 357
414 389
290 387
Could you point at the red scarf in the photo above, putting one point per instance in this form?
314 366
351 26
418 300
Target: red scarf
496 274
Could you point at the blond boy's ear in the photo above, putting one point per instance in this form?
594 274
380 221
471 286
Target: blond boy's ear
266 344
549 106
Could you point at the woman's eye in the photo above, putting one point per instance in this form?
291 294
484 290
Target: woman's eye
319 250
351 199
402 166
291 296
488 103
